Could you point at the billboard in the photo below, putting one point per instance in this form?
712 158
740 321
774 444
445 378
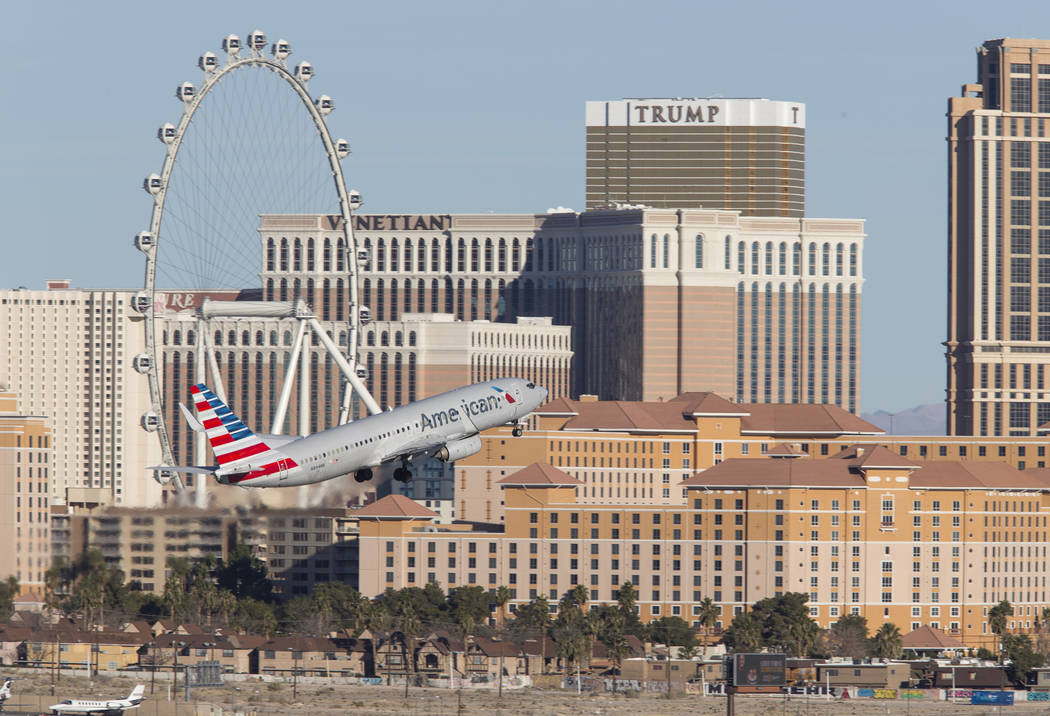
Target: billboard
763 670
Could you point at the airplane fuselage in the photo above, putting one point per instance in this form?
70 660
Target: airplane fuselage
450 419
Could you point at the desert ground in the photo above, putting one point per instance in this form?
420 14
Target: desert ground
32 694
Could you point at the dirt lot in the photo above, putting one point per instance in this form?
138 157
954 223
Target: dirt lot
32 694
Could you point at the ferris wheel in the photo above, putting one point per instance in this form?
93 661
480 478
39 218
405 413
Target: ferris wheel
251 141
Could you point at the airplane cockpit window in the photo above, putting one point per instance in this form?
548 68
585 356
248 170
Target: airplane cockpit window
530 386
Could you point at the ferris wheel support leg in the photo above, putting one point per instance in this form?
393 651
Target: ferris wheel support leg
344 411
199 481
304 392
286 387
346 368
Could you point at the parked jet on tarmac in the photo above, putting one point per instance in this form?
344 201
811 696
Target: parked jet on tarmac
109 708
444 426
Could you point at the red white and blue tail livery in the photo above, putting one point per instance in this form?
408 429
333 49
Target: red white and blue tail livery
444 426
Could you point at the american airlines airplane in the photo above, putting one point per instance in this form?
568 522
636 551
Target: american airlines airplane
116 706
444 426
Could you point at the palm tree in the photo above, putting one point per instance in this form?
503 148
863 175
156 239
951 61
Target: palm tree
886 643
502 596
707 617
997 620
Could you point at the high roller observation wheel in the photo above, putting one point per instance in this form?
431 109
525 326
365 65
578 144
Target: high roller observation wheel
157 185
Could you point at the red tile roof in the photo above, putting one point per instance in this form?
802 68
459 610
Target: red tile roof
539 474
873 457
926 637
749 472
395 507
680 413
803 419
979 475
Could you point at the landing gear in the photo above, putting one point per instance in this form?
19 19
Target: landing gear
518 430
403 474
363 475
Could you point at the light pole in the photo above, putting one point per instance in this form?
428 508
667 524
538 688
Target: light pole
152 666
295 672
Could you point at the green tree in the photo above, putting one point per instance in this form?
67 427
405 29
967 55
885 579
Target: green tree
570 630
501 595
785 624
469 607
245 575
627 602
673 631
1023 658
744 633
848 637
997 619
8 593
886 642
707 617
255 617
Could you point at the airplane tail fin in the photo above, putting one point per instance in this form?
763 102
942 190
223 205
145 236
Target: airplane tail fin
137 692
230 438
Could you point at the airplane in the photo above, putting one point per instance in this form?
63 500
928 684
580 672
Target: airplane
5 693
109 708
444 426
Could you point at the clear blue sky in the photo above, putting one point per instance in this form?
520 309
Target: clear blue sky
477 106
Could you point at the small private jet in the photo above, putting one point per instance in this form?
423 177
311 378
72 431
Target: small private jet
5 692
107 708
444 426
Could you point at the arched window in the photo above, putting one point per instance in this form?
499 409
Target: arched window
769 258
297 255
435 291
782 259
515 258
450 296
652 251
394 255
826 260
698 260
435 256
366 292
755 263
218 338
421 256
796 260
394 305
246 338
380 255
460 298
406 265
741 259
259 340
269 290
284 254
838 259
501 261
853 260
310 254
176 338
729 243
421 296
287 338
340 256
380 306
474 258
384 338
461 256
411 338
398 338
407 301
812 259
231 338
327 257
488 255
370 338
270 254
448 255
667 250
273 338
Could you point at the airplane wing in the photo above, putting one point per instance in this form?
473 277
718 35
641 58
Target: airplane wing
413 449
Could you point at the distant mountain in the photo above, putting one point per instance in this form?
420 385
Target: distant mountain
920 420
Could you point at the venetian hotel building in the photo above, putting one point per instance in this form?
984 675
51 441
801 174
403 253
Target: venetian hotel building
864 532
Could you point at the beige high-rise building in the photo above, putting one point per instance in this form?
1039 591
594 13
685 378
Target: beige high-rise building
69 355
863 532
26 458
998 347
661 301
711 153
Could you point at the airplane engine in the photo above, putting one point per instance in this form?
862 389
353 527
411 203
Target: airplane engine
459 449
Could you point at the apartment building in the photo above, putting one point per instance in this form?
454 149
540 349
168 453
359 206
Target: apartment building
999 243
636 452
864 531
69 355
26 459
300 547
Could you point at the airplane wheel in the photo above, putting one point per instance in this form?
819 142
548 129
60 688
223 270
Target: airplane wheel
363 475
518 431
403 474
